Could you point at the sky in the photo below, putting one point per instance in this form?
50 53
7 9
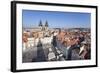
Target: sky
31 18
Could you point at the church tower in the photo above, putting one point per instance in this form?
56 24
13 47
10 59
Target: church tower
46 25
40 25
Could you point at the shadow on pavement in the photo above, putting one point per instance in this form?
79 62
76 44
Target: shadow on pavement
40 53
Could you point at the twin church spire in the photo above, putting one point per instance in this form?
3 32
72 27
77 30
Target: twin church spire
46 23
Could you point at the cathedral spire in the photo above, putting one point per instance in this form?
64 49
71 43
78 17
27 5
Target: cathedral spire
40 23
46 24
